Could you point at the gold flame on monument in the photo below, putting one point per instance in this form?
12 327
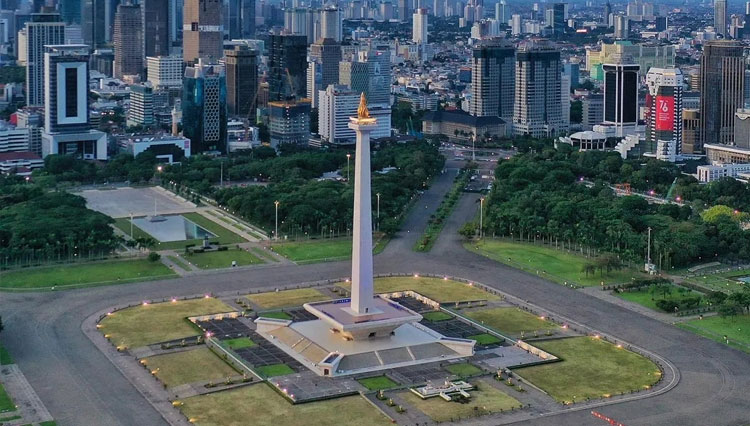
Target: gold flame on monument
362 111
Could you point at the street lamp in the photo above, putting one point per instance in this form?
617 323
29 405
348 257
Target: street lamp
378 216
276 234
348 157
481 218
131 225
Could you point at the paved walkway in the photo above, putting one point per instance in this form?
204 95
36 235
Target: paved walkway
231 223
30 407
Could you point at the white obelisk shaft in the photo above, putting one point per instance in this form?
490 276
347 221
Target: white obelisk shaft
362 271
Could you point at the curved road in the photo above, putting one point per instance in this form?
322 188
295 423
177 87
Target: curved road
80 386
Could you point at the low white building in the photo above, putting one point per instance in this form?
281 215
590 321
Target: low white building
717 171
167 148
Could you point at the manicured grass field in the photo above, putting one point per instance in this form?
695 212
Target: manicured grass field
644 298
555 265
511 321
223 259
437 316
276 315
435 288
485 339
196 365
274 370
181 262
263 254
260 405
238 343
322 250
377 383
463 369
5 358
725 281
6 404
485 400
76 275
737 329
590 368
159 322
285 298
223 235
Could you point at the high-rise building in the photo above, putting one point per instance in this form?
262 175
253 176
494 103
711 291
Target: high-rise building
337 104
287 65
404 10
622 26
155 22
128 41
289 122
500 12
165 72
722 88
204 107
661 23
248 18
720 17
474 10
664 112
592 110
141 112
330 24
438 8
66 110
242 81
606 13
515 27
556 15
538 107
300 21
493 67
327 53
70 11
43 29
93 22
419 28
621 91
691 126
202 31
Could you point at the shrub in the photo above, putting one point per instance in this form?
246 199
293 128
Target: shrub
690 302
666 305
222 248
154 256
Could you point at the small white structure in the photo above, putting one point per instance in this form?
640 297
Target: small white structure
586 141
445 390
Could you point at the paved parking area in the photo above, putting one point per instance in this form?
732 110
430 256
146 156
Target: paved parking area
122 202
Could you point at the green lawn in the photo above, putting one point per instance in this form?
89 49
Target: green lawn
437 316
463 369
287 298
322 250
223 235
264 254
153 323
274 370
238 343
377 383
511 321
223 259
437 289
196 365
737 329
48 423
276 315
485 339
555 265
485 400
725 281
260 405
181 262
75 275
6 404
9 418
5 358
644 298
590 368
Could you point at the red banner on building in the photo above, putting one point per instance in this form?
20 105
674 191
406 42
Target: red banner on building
664 113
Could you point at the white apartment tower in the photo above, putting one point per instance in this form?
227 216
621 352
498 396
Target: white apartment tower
43 29
337 103
419 29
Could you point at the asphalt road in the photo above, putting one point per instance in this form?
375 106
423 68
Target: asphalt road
81 387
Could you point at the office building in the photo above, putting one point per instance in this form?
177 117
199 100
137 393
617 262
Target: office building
300 21
336 104
621 92
330 24
592 107
202 31
93 20
474 10
722 88
128 38
204 111
538 107
493 67
242 81
606 14
287 65
165 72
691 125
556 15
289 122
70 11
515 26
404 10
369 74
66 111
622 27
327 53
720 17
419 29
501 9
664 112
43 29
141 111
155 22
661 23
646 55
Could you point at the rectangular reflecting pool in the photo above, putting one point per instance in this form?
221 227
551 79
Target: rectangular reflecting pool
171 228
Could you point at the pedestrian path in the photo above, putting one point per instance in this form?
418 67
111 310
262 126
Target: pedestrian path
29 406
232 224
